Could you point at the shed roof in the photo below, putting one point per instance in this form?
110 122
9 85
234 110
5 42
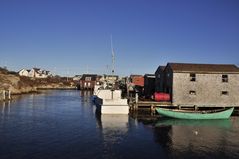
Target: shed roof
134 75
93 76
203 68
149 75
160 69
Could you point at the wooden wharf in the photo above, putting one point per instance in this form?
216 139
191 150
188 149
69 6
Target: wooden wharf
151 105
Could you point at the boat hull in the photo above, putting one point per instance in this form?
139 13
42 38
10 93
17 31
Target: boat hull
225 114
96 100
111 106
114 109
109 101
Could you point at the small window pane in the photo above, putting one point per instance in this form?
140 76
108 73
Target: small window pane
224 78
192 92
192 77
88 78
224 92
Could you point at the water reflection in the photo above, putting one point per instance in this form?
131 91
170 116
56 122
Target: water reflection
113 127
226 123
62 124
200 137
6 108
85 97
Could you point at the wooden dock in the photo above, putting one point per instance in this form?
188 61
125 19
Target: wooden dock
151 105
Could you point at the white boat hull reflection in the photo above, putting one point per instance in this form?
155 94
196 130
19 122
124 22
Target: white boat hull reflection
113 127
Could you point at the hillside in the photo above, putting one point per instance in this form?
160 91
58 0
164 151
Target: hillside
18 84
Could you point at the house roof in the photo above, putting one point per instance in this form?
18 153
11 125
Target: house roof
36 69
111 76
133 76
160 69
23 70
203 68
149 75
93 76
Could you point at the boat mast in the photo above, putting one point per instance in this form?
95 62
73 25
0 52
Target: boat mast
113 66
113 57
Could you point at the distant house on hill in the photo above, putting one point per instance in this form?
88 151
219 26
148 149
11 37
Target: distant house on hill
35 73
214 85
24 72
77 78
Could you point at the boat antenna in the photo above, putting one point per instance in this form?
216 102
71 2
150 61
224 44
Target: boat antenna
113 56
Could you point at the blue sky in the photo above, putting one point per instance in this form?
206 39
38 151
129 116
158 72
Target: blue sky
73 36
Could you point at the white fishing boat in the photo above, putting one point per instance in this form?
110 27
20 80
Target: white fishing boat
107 96
109 101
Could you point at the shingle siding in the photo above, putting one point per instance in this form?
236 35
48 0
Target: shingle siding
208 89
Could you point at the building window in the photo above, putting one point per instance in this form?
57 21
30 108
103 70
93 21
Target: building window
88 78
224 78
192 92
192 77
224 93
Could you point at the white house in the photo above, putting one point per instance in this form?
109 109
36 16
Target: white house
24 72
35 73
77 78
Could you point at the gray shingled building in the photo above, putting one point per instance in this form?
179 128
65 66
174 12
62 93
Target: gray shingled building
210 85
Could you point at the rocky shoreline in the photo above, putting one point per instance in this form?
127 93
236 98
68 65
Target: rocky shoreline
17 85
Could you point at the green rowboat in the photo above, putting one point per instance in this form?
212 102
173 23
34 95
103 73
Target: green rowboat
187 114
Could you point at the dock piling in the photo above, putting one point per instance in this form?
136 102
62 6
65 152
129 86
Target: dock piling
136 97
5 95
9 94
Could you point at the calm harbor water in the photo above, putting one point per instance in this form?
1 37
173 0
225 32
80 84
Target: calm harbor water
63 124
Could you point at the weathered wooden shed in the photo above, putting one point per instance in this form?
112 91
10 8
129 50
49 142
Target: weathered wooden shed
149 85
209 85
136 84
88 81
137 80
159 79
